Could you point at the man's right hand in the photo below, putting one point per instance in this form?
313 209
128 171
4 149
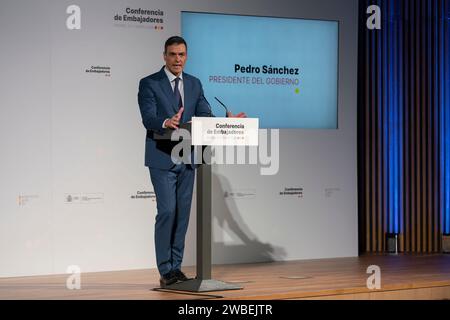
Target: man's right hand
174 122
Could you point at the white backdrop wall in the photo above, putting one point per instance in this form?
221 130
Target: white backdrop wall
74 189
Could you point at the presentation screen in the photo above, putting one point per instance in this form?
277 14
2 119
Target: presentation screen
282 71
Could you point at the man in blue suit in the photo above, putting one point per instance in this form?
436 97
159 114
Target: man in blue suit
167 99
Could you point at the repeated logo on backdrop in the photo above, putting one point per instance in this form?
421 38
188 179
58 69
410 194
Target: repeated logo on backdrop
140 18
99 70
26 199
84 198
296 192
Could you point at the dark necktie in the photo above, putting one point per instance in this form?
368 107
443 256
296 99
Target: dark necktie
177 94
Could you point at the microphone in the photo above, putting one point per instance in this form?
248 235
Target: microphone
221 103
209 107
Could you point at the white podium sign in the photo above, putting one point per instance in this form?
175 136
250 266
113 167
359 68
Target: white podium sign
224 131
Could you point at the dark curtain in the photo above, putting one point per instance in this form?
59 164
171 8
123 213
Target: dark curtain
404 125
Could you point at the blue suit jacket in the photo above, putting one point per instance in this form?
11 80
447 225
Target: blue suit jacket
157 103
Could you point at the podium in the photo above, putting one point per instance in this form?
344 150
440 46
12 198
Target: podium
205 132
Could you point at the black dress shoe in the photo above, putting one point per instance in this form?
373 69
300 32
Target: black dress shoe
167 279
180 275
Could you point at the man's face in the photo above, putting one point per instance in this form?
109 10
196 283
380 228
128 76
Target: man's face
175 58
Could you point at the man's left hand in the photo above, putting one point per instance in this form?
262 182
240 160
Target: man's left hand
239 115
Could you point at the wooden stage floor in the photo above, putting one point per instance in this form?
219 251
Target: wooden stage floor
402 277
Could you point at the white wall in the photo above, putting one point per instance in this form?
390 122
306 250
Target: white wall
65 133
